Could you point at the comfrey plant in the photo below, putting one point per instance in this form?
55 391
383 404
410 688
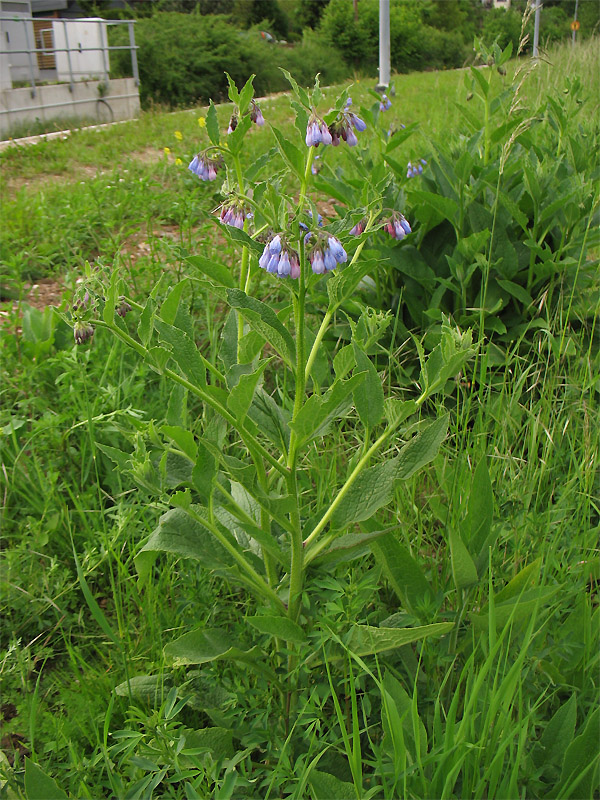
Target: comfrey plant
241 483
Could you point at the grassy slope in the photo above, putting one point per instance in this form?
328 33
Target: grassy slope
87 196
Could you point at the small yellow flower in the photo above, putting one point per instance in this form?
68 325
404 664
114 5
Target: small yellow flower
202 122
179 135
167 150
178 162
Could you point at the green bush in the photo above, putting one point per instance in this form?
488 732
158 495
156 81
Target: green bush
183 59
413 44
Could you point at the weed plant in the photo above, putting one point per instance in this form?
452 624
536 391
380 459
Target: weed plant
441 636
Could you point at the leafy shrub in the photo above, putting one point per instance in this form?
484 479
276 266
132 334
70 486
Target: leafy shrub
183 57
413 45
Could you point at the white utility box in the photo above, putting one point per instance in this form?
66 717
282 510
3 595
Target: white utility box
86 41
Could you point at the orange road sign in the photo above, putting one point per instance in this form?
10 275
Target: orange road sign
575 25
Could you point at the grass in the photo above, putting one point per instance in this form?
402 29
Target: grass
429 722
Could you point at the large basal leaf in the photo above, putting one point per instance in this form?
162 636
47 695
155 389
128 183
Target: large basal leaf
264 320
348 547
402 571
217 741
181 535
580 768
464 571
148 688
209 644
327 787
365 640
38 785
280 627
557 736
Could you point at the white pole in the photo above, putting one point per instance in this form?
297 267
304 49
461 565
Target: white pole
384 45
575 20
536 28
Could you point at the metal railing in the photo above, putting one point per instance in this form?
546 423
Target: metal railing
45 51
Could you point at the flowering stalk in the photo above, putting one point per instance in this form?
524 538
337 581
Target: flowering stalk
331 311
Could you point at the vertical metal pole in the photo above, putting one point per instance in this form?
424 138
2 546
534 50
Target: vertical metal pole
71 81
104 43
134 61
30 59
575 20
384 44
536 28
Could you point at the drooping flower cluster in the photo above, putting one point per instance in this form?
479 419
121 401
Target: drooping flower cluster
309 213
326 253
359 228
279 259
385 103
317 132
82 332
413 170
342 128
397 226
256 116
205 167
234 213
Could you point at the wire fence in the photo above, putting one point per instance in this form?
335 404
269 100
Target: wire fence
36 50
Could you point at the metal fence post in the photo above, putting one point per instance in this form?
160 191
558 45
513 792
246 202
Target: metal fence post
104 49
134 61
384 45
30 60
536 28
71 82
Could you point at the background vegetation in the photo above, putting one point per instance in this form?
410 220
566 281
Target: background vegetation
507 706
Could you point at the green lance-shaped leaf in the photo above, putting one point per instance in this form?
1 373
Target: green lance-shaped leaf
464 571
374 487
170 305
246 95
235 140
212 124
557 736
146 322
318 411
580 767
183 438
280 627
477 527
148 688
234 95
445 206
183 352
290 153
368 396
516 610
181 535
218 274
209 644
348 547
265 321
365 640
242 394
402 571
39 786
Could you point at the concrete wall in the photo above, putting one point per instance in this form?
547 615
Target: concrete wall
121 100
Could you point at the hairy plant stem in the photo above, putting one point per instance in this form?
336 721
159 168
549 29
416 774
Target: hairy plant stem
244 271
331 311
